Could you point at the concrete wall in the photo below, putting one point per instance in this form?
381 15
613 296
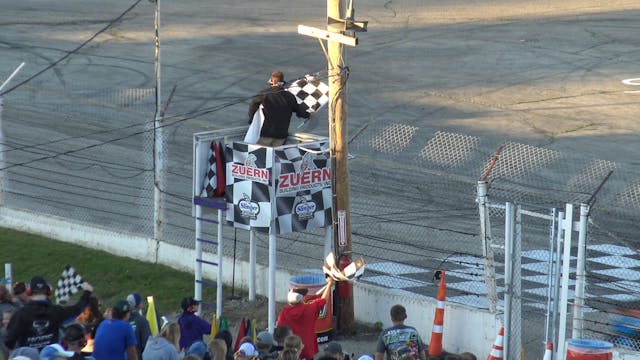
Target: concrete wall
465 329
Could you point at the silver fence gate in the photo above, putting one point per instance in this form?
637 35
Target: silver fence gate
508 231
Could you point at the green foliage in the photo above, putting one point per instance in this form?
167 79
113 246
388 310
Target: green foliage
112 277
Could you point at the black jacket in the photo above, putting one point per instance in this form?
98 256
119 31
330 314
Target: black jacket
37 324
278 105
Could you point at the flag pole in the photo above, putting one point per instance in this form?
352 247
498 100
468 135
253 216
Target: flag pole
3 183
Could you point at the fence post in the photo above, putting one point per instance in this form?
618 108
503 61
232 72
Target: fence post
515 331
252 265
272 276
220 256
3 182
578 302
198 265
487 250
8 275
567 227
508 273
556 278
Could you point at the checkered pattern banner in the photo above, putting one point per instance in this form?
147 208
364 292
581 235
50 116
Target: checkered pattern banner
302 188
249 187
213 187
310 92
68 284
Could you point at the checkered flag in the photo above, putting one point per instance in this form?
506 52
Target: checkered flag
310 92
68 284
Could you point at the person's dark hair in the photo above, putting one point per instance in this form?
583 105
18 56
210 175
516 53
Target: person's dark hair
118 315
398 313
277 77
74 334
228 339
19 288
452 357
91 316
325 356
468 356
263 347
5 295
280 333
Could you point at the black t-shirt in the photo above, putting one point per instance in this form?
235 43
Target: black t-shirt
279 105
37 323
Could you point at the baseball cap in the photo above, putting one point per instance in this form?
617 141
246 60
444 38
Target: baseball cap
333 348
247 349
365 357
265 338
38 285
134 299
198 348
51 352
188 301
122 307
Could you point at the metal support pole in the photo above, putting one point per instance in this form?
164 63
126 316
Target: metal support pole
509 218
219 281
272 276
198 265
252 265
556 277
552 269
8 275
487 250
578 302
564 293
515 330
158 143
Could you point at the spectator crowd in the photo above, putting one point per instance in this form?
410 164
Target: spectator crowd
35 328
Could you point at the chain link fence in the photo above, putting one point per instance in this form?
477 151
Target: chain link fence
83 150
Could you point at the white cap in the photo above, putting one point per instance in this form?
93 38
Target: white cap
248 349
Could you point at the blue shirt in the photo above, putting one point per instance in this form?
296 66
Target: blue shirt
113 337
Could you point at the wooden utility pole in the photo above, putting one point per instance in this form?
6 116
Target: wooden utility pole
340 28
340 22
338 136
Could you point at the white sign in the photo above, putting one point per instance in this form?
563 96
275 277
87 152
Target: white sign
342 228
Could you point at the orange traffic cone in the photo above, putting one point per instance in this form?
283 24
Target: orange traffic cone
548 352
435 345
497 349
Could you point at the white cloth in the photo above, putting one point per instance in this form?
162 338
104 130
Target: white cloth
253 134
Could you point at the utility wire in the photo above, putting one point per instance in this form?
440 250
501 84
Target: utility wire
110 24
188 116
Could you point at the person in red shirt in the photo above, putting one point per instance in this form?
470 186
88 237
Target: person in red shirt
301 317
